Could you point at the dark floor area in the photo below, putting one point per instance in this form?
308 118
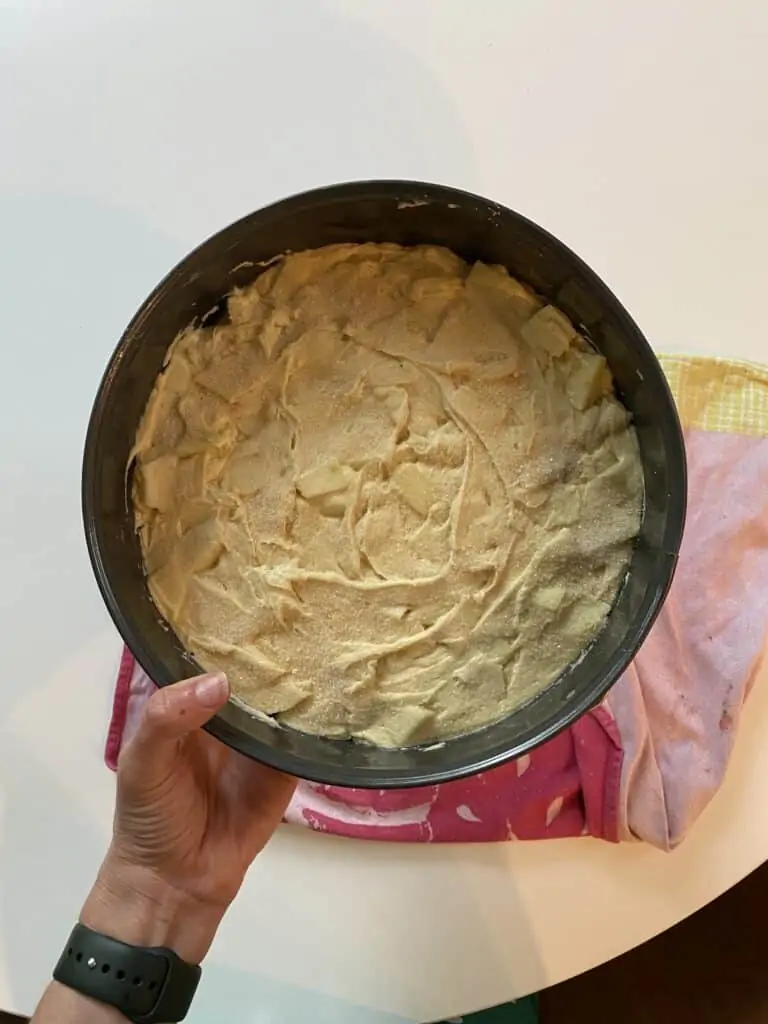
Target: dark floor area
712 968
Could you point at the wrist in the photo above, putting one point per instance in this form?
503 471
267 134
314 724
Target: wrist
133 904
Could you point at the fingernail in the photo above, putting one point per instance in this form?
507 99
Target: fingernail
211 690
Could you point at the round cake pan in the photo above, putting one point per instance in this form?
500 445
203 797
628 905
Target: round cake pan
407 213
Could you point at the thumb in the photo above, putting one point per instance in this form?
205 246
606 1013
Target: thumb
171 714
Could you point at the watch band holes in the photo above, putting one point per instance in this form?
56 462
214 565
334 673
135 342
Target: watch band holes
137 982
105 968
152 985
120 975
79 957
69 951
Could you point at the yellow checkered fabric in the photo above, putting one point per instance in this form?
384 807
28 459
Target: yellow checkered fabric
719 394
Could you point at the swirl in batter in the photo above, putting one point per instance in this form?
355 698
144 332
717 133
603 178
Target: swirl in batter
393 497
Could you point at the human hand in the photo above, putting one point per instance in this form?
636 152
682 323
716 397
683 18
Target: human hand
190 817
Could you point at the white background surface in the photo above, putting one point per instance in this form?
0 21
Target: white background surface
128 132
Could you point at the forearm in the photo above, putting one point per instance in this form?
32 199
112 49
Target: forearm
131 904
61 1005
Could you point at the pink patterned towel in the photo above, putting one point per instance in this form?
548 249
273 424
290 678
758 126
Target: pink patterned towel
647 761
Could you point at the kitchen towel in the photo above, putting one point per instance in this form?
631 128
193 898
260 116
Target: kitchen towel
646 762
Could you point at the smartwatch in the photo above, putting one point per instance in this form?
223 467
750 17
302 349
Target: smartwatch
147 985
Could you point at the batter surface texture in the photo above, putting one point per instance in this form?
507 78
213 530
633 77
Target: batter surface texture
393 496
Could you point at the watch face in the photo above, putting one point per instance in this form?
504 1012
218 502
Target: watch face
153 986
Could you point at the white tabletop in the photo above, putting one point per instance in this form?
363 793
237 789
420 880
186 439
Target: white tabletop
128 132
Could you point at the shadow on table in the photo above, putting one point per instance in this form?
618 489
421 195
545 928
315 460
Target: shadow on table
48 845
247 998
425 931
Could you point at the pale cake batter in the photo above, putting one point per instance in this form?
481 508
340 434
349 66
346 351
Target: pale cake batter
393 497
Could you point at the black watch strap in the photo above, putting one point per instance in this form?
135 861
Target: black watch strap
147 985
